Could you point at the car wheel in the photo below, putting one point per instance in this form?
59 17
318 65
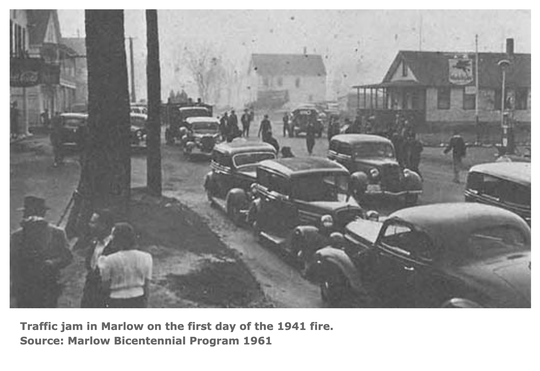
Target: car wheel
411 199
333 285
233 211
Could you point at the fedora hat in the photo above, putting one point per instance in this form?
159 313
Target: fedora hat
33 203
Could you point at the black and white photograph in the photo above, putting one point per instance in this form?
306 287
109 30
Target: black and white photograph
340 159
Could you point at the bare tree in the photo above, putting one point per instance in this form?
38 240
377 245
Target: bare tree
153 160
105 160
204 65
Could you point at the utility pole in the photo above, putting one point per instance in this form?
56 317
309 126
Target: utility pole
477 86
420 34
132 65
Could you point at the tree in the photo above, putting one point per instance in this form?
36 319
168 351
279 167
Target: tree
105 159
153 159
205 67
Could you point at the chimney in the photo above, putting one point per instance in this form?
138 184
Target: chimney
510 47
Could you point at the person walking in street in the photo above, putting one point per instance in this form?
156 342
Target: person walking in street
285 124
246 121
399 146
126 273
458 148
265 129
414 150
310 137
223 125
97 244
233 131
14 120
57 140
38 252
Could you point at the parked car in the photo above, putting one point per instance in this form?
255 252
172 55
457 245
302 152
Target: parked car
440 255
372 162
502 184
291 194
138 129
71 124
200 135
176 117
300 119
232 173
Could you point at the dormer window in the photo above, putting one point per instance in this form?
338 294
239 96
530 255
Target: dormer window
404 69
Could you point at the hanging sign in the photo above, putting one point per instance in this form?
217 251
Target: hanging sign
460 71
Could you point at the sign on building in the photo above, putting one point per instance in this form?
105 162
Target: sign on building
460 71
26 72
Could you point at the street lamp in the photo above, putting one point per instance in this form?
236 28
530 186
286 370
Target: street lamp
507 135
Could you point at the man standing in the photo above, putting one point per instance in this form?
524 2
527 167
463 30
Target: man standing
399 146
38 251
223 125
14 120
232 127
265 128
57 140
246 121
285 124
310 136
458 148
414 150
126 273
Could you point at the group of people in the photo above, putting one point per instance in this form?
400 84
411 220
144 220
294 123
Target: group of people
118 274
228 124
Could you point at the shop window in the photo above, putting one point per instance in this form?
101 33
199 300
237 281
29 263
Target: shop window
469 100
443 98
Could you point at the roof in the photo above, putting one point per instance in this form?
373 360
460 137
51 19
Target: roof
191 120
450 224
78 44
38 20
288 64
519 172
360 138
303 165
432 69
242 145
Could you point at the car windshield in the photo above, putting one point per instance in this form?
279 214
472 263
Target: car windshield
251 158
74 122
372 149
138 122
499 240
194 112
207 126
321 187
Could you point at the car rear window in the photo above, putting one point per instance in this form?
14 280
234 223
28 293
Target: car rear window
243 159
74 122
207 126
366 150
504 190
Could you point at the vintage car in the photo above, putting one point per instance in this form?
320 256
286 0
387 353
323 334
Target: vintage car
233 172
502 184
177 119
295 194
439 255
200 135
71 124
300 119
138 129
372 162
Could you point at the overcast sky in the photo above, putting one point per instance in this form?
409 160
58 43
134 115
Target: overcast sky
357 45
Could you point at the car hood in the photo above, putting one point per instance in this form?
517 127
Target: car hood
376 161
334 205
506 279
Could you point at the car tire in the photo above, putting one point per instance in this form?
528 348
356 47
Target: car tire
233 211
333 285
411 199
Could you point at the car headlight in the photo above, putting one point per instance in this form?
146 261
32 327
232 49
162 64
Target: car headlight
372 215
406 172
374 173
327 221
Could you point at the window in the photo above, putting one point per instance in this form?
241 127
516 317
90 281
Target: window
469 100
367 150
321 187
280 81
522 96
404 240
443 98
297 82
404 70
503 190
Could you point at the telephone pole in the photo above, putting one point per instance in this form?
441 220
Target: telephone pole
477 87
132 75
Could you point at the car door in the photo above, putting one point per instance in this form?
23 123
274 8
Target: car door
394 277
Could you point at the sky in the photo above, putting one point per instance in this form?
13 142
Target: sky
358 46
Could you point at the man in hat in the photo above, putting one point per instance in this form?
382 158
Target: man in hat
459 150
265 129
126 273
246 121
38 251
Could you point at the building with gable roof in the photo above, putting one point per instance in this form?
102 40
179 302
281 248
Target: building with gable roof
290 80
439 88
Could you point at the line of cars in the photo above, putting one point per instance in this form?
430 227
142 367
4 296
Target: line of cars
440 255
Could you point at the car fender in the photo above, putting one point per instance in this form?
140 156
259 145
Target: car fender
209 181
239 197
359 182
412 181
307 239
460 303
343 262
